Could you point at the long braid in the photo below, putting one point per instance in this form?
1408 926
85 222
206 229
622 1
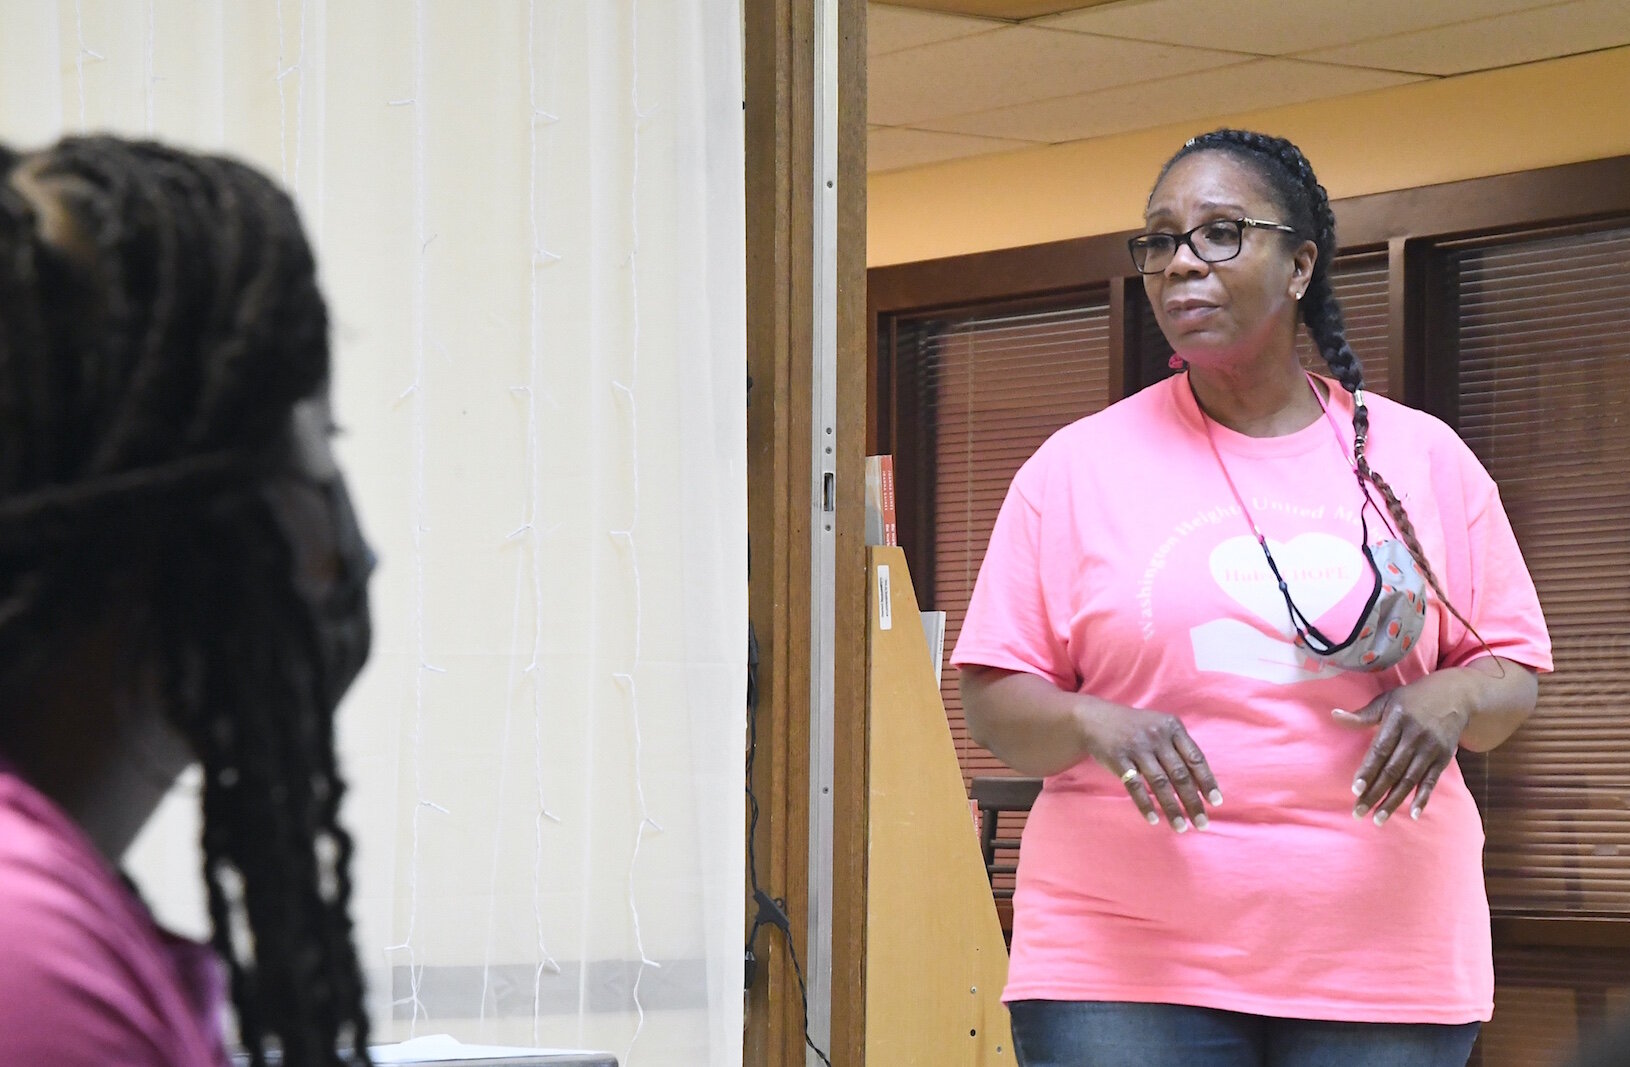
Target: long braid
146 390
26 398
1292 182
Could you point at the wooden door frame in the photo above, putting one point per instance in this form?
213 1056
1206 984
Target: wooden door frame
780 87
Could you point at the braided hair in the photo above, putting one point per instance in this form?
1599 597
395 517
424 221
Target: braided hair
1293 185
149 368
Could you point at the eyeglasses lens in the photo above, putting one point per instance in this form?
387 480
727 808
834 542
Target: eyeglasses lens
1212 242
1216 241
1152 251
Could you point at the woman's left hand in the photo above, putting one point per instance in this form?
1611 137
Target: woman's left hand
1420 727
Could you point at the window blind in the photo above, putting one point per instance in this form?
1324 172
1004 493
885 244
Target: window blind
995 386
1544 401
1360 282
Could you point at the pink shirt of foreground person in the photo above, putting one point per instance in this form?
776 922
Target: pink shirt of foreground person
86 977
1121 567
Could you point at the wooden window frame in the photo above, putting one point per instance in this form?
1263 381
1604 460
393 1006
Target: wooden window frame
1407 224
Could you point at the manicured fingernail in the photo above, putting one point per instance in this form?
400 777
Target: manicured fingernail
1215 797
1358 812
1415 813
1358 787
1154 820
1337 711
1201 822
1380 818
1180 825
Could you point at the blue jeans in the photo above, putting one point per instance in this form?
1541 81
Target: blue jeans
1058 1033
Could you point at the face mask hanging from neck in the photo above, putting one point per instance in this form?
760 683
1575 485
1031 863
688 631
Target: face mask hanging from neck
1395 612
1393 616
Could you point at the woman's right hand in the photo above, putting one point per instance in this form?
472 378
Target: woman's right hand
1039 729
1172 776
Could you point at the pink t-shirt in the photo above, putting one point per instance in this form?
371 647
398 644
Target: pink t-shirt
86 977
1121 566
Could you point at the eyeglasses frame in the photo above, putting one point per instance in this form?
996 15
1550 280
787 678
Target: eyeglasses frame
1187 238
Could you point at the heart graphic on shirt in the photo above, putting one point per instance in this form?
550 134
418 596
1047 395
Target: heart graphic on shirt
1233 647
1321 569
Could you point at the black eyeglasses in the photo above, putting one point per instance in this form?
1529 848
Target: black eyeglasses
1213 242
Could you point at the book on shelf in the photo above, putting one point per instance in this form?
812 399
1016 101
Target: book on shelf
880 523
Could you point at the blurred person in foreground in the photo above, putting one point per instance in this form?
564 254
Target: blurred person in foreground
182 581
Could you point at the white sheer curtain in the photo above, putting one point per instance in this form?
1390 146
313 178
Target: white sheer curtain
530 224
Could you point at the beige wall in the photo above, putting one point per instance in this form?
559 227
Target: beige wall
1538 115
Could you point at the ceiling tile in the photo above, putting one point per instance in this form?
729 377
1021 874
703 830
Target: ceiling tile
1188 97
890 28
1276 27
892 148
1566 29
1014 65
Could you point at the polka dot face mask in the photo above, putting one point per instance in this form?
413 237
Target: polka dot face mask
1393 616
1395 612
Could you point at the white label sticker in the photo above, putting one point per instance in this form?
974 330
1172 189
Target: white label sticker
885 613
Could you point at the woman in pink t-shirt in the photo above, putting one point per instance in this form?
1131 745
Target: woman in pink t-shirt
1252 582
181 580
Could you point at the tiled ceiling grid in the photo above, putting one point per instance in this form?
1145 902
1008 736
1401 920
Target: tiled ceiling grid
944 84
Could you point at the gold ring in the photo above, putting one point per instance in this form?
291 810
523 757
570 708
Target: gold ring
1130 775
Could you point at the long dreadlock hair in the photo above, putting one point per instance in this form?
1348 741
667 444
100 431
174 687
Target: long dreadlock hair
1291 182
148 371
